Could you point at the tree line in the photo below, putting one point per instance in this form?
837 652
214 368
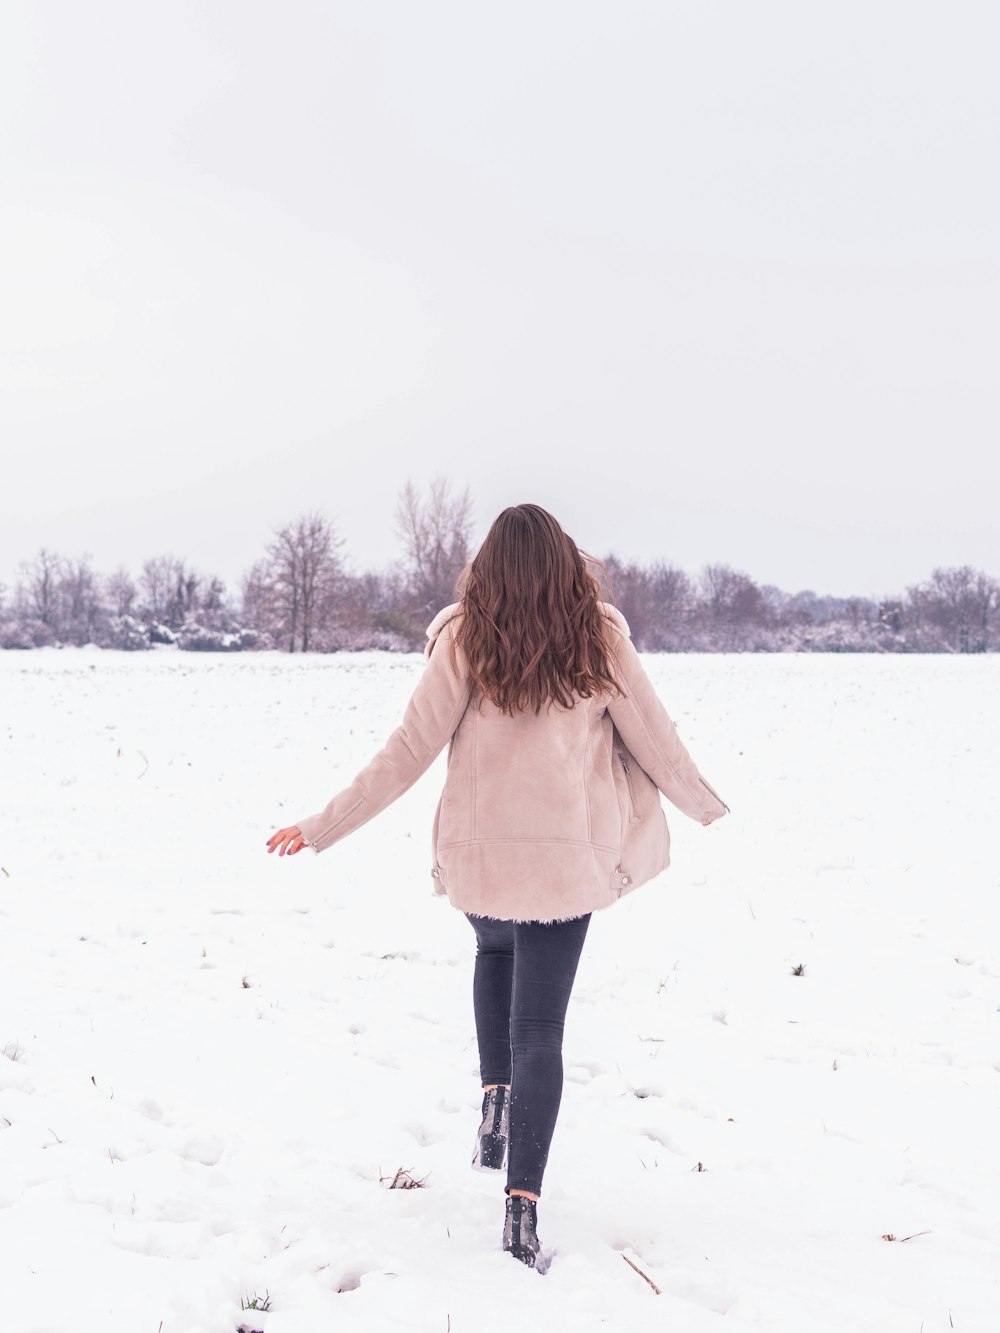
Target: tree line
302 595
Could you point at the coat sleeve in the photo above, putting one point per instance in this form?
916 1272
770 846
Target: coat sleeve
649 733
431 717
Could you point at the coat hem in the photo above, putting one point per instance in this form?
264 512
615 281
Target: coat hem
534 920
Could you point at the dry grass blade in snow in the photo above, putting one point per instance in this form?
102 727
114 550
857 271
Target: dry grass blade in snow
403 1180
643 1275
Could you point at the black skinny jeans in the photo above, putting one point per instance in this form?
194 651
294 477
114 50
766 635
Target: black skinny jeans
523 979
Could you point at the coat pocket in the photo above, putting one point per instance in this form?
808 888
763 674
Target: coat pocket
623 759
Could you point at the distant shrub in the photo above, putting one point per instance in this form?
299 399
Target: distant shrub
126 633
199 639
15 635
255 640
389 642
161 633
26 633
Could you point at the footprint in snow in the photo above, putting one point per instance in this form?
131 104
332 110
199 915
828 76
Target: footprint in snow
582 1071
423 1135
206 1149
657 1136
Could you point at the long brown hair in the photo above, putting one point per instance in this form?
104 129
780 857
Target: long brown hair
531 627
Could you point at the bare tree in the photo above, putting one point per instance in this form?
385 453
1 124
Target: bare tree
671 598
81 608
183 599
175 594
960 603
625 583
41 586
213 602
159 580
653 599
436 532
297 582
731 597
120 592
256 594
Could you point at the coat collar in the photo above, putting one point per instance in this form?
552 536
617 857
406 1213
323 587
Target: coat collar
616 617
438 624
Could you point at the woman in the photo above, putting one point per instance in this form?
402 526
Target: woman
558 750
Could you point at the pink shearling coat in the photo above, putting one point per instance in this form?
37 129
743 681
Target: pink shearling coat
543 817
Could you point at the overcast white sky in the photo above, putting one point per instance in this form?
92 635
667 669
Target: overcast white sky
716 280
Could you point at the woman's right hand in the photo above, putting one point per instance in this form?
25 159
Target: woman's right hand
286 839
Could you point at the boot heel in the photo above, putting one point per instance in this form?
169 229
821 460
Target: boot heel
491 1141
520 1232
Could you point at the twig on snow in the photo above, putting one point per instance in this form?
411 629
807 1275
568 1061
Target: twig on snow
403 1180
643 1275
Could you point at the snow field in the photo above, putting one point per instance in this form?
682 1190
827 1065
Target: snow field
208 1057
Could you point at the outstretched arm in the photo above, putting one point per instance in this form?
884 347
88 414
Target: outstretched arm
431 717
647 730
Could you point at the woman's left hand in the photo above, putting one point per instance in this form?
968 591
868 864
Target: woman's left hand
286 839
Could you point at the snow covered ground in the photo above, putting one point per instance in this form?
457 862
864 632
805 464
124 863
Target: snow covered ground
212 1061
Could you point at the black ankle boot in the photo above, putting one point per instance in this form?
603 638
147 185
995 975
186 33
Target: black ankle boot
520 1231
491 1141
